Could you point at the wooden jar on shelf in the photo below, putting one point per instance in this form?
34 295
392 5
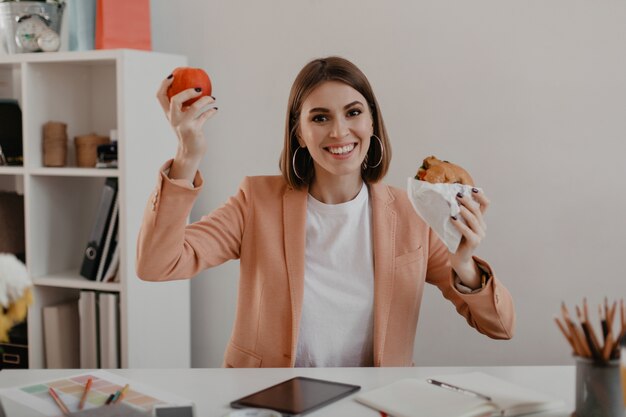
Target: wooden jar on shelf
87 149
54 144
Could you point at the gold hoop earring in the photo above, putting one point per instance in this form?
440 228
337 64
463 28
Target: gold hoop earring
293 163
382 150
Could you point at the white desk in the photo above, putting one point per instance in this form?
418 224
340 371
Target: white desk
213 389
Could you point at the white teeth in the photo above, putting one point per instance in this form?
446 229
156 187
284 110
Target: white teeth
341 150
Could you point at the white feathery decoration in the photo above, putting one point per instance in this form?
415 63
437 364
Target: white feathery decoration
13 279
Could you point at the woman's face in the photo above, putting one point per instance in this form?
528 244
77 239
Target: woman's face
336 125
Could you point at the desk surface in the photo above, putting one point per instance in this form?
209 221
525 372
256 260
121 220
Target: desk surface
213 389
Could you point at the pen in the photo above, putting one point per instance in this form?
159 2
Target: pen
108 401
84 397
457 389
59 401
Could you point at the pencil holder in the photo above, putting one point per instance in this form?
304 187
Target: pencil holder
598 389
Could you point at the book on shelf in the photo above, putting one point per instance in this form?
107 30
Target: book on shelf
109 330
95 245
61 335
471 394
88 313
99 329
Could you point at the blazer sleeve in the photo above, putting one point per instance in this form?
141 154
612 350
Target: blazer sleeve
490 310
169 249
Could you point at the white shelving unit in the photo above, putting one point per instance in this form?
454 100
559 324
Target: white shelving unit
95 91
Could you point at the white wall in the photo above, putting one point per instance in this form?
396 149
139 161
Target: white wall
529 96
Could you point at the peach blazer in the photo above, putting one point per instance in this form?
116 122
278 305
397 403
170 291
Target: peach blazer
263 226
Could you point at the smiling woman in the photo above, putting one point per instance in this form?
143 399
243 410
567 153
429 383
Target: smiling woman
337 139
332 261
354 121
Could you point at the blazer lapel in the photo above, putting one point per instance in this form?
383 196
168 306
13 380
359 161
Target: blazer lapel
294 223
383 233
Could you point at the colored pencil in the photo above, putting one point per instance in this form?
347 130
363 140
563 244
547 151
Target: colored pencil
566 334
608 345
589 336
586 309
579 344
59 401
605 327
84 397
120 396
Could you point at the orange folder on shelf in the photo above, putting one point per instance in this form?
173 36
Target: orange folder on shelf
123 24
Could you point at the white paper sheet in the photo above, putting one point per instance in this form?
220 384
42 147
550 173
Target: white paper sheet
435 203
139 396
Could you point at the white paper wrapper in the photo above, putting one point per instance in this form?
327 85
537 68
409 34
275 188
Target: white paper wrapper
435 203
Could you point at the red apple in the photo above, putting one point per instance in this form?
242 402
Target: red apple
187 77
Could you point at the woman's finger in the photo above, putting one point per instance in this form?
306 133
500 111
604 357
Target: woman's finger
192 114
206 115
472 206
161 94
176 102
470 237
480 197
469 202
198 106
472 222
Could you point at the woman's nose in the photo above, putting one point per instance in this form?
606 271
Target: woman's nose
339 128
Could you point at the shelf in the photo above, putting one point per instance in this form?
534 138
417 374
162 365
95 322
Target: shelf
72 279
93 92
8 170
76 172
61 172
92 58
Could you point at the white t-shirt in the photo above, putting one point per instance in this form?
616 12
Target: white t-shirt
336 328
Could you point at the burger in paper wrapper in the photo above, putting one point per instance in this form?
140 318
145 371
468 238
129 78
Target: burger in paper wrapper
433 193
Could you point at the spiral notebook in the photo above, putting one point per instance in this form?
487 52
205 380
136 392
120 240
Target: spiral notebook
416 398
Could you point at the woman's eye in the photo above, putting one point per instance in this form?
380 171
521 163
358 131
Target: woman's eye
354 112
319 118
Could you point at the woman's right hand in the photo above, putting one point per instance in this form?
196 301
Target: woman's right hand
187 123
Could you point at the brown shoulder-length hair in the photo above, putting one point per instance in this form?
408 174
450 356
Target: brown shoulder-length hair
313 74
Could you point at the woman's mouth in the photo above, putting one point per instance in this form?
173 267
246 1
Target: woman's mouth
341 152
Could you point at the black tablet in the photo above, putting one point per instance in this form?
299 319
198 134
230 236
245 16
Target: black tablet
297 396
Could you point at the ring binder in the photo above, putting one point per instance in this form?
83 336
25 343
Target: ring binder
95 245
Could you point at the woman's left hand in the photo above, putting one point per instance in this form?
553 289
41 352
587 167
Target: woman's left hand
473 207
